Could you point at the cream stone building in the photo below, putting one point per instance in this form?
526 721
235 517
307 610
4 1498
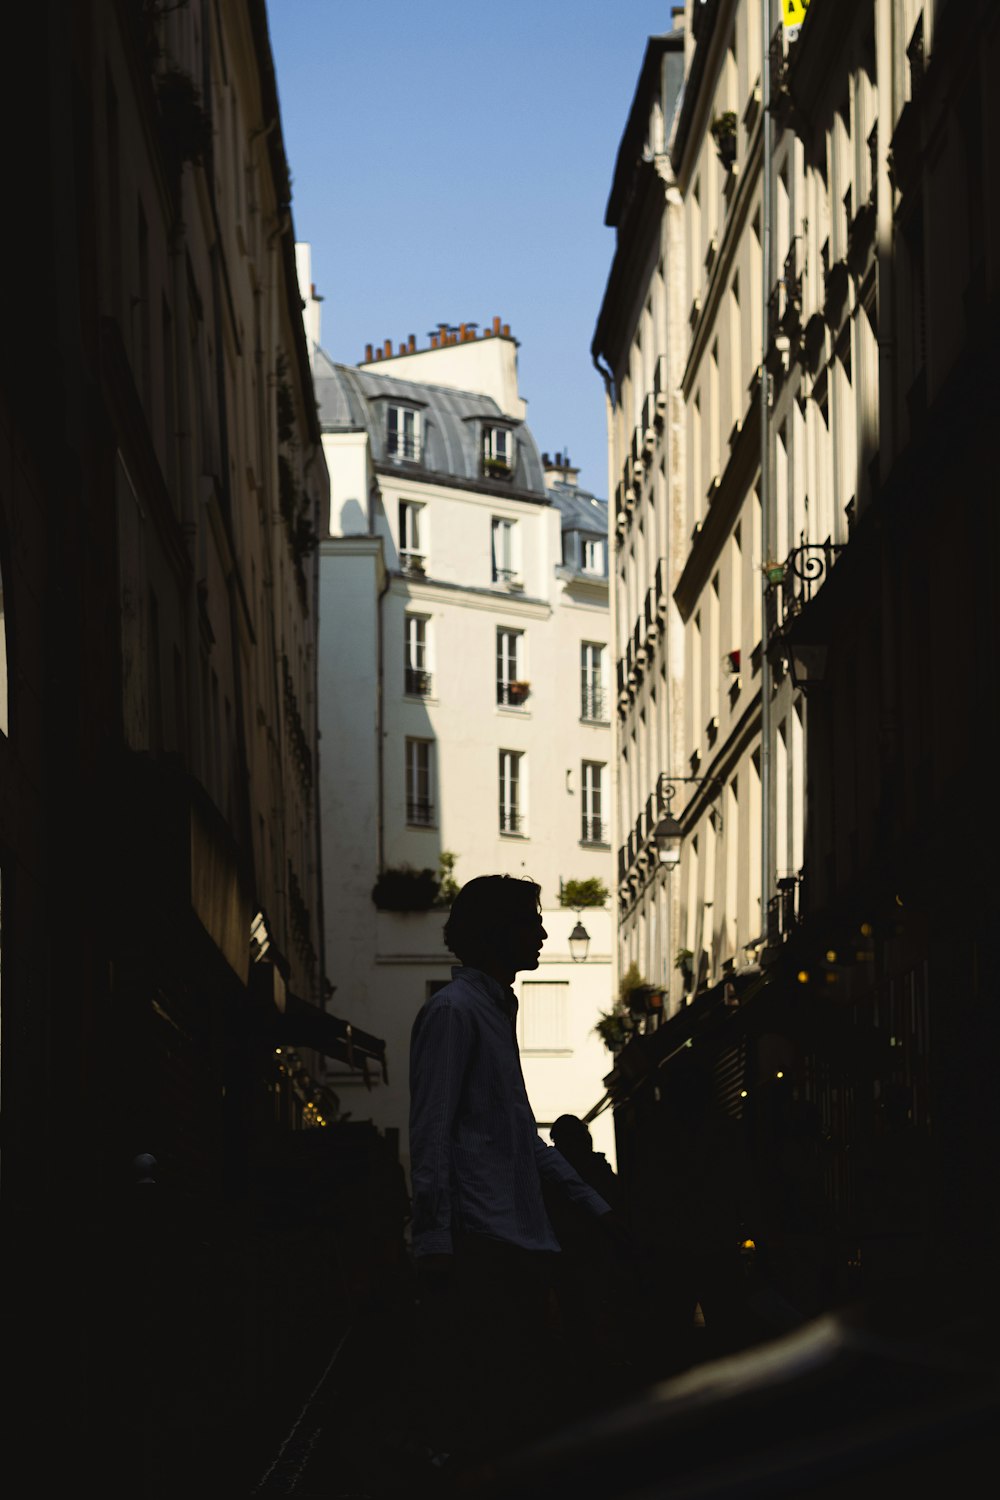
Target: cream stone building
464 676
839 273
639 347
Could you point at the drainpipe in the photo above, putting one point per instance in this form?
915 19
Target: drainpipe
608 380
380 707
766 777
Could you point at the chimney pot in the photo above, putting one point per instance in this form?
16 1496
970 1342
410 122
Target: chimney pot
388 348
506 330
413 343
368 354
496 325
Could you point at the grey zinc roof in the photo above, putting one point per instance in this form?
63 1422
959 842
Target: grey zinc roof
352 400
580 510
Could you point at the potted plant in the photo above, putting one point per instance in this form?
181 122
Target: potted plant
684 961
774 572
614 1028
519 691
496 468
402 888
723 129
580 893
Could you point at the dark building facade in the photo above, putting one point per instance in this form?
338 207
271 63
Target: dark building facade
162 486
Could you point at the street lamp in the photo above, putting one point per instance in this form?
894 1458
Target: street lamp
806 664
668 834
579 942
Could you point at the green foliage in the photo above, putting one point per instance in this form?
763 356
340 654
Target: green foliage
447 884
580 893
682 958
614 1028
724 126
403 888
632 979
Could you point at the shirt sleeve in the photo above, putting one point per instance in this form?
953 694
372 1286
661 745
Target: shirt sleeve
439 1052
554 1167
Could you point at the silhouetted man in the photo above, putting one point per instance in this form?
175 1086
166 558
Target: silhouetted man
483 1244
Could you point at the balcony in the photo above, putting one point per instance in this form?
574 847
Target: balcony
594 705
594 831
512 694
509 577
419 812
417 682
413 563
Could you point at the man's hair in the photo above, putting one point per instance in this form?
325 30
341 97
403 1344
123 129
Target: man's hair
482 911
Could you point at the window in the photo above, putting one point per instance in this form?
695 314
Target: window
593 555
511 792
498 452
419 806
594 830
543 1016
411 529
416 677
403 433
505 550
593 703
512 689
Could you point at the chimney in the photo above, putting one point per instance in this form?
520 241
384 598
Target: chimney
506 330
368 354
558 470
496 325
413 343
388 348
434 340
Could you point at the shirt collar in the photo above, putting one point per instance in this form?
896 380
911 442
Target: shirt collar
502 994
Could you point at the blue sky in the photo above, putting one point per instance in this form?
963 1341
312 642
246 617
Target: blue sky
451 162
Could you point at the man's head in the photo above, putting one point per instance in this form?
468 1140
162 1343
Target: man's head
495 924
571 1136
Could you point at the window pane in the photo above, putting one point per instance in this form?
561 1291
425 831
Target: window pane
510 813
419 808
543 1016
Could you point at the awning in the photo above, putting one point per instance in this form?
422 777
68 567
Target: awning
302 1024
647 1053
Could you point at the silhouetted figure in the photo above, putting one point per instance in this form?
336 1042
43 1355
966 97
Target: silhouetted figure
593 1269
484 1248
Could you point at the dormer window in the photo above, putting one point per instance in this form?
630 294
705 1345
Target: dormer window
498 452
592 558
403 433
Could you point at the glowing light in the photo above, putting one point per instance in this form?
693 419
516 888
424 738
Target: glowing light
803 976
743 1093
779 1074
748 1245
866 929
831 955
899 901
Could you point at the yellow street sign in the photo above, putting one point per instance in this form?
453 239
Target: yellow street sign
793 13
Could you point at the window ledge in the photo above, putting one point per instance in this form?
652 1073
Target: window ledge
506 833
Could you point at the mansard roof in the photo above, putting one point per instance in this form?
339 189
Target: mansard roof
452 422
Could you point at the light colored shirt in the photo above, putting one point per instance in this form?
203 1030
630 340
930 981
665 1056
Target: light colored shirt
476 1158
